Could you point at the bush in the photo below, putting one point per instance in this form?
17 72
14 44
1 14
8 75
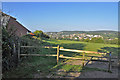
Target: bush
39 34
8 56
97 40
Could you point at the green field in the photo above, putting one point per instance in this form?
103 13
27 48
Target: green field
45 65
98 47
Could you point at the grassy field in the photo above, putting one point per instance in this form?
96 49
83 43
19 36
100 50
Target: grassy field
98 47
36 65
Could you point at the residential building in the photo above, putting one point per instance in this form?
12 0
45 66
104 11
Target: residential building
13 26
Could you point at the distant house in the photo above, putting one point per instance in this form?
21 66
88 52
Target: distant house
75 38
80 37
13 26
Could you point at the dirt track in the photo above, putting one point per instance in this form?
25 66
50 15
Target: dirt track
87 74
100 74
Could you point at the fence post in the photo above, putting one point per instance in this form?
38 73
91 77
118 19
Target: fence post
58 48
14 56
109 65
83 59
18 51
14 49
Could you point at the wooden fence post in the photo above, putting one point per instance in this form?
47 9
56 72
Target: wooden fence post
58 48
14 56
109 65
18 51
14 49
83 59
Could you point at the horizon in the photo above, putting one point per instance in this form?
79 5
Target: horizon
64 16
93 30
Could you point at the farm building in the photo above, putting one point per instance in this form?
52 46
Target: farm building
13 26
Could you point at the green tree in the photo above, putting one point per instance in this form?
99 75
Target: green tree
40 34
97 40
86 40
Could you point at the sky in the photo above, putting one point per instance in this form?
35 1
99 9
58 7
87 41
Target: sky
60 0
64 16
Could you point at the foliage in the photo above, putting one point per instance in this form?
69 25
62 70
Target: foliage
43 65
8 55
86 40
40 34
97 40
106 35
114 41
30 66
10 59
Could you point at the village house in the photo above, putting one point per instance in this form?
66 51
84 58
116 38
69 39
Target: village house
13 26
80 37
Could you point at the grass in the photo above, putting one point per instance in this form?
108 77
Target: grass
30 66
77 44
72 67
98 47
33 65
68 67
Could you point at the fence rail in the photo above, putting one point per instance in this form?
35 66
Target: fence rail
36 55
71 50
58 55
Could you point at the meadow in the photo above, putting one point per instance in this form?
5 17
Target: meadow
98 47
46 65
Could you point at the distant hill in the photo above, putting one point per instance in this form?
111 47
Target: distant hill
101 31
104 33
